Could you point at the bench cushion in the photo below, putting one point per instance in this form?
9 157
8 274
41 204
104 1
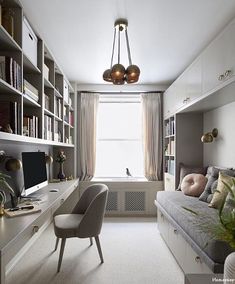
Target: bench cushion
195 226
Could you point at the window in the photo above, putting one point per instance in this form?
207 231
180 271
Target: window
119 143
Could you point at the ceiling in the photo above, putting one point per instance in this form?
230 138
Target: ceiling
165 35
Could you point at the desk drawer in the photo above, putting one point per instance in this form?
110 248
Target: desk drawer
24 237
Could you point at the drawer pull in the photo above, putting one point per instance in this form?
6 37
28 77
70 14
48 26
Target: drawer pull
61 200
175 231
35 229
197 259
227 73
221 77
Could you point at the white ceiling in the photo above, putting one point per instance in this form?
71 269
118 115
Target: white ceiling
165 35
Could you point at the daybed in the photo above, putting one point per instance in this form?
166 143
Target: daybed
187 234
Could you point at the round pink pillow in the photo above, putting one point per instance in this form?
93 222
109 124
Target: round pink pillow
193 184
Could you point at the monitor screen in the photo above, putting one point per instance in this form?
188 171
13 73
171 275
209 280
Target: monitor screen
34 170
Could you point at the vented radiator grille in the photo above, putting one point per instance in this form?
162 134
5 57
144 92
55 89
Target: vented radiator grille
135 201
112 202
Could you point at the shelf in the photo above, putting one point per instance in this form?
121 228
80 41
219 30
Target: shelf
57 118
48 84
25 139
58 94
7 88
66 123
29 67
7 42
48 112
71 109
29 101
170 136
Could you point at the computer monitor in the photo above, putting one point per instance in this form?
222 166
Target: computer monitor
34 171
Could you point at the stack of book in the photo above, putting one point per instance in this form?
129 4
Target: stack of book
58 106
30 126
10 71
47 127
31 91
9 117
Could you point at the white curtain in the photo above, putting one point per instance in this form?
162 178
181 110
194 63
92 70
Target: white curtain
87 151
152 135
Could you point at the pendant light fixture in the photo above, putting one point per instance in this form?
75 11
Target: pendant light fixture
117 74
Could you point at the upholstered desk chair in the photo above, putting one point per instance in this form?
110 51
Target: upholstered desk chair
85 221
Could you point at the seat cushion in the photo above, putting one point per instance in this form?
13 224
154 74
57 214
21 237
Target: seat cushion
196 226
66 225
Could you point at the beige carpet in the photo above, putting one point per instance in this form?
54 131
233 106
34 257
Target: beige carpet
134 253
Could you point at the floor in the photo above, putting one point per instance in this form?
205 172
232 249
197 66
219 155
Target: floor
134 253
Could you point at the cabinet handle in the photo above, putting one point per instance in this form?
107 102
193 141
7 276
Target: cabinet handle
175 231
221 77
197 259
35 229
61 200
227 73
187 99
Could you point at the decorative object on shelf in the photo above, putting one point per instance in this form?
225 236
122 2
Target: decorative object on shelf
209 136
12 164
8 20
5 187
117 74
61 158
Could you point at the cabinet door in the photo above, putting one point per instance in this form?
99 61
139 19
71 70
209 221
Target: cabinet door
169 182
194 81
219 60
169 101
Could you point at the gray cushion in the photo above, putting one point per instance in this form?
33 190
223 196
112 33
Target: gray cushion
212 176
196 226
66 225
186 169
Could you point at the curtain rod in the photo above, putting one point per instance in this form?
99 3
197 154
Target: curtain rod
121 92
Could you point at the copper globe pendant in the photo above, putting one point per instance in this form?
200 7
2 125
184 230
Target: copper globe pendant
117 74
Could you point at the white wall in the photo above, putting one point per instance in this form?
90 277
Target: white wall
221 151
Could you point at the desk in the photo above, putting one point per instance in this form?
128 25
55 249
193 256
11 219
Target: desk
17 234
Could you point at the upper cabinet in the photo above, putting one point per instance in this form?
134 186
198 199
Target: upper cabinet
212 70
184 90
219 60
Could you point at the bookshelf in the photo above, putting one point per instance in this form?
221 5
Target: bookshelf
39 99
31 79
169 148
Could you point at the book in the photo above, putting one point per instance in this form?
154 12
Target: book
30 87
30 126
31 94
10 71
9 116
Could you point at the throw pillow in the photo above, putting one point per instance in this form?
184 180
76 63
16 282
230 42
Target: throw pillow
212 176
185 170
221 191
193 184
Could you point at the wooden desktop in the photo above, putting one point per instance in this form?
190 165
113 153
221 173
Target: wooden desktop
17 234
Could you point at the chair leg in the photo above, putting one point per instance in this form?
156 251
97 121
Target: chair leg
56 243
99 248
61 254
91 242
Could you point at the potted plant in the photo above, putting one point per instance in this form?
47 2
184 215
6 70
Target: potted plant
5 187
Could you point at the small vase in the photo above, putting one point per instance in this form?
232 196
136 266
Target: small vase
61 174
229 266
1 209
